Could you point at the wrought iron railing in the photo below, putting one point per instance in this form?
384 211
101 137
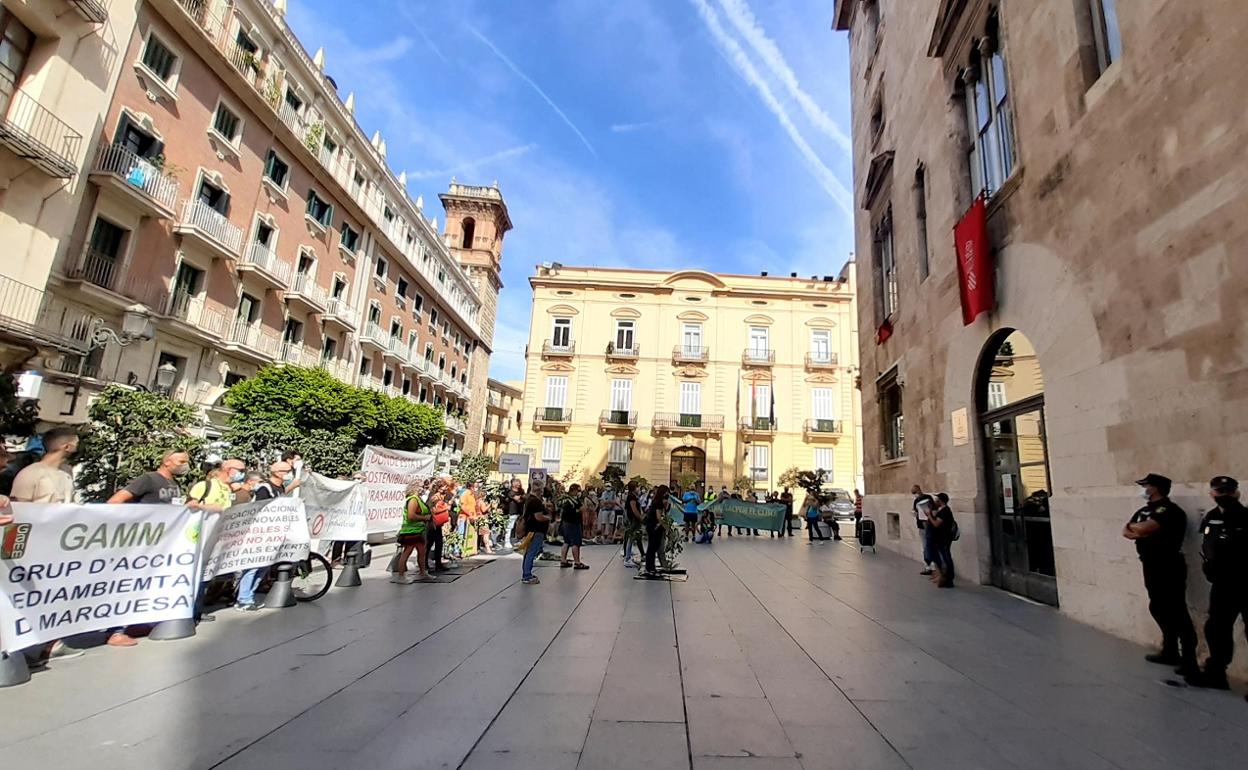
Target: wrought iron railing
33 132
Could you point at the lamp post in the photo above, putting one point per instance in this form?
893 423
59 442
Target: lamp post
136 324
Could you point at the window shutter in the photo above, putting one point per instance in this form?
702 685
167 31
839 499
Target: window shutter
762 401
556 391
822 405
622 395
691 398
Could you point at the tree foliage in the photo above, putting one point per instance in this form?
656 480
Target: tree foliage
329 422
642 483
687 479
18 416
473 468
743 485
613 476
128 433
791 477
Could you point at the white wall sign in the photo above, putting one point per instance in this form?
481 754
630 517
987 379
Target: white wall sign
513 462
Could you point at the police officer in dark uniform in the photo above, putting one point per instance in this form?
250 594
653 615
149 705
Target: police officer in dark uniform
1158 530
1224 560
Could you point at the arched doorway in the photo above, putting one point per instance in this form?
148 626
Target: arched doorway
687 459
1010 395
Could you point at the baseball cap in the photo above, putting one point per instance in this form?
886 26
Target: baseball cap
1223 484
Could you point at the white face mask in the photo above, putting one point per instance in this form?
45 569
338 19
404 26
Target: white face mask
1144 493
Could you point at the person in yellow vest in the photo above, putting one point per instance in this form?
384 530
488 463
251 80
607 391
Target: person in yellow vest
416 518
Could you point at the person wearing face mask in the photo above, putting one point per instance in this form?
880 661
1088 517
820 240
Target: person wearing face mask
924 505
1158 530
296 469
1224 560
158 486
235 471
213 493
281 476
48 479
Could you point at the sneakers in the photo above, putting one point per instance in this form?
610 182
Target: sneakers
580 566
121 639
530 581
400 579
62 651
629 565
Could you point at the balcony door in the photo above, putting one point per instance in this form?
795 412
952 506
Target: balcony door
691 339
758 342
762 406
186 285
691 404
621 401
823 408
561 335
821 346
624 335
15 44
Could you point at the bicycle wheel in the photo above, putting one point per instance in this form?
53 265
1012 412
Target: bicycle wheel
312 579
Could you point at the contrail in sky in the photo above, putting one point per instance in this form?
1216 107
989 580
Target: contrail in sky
473 165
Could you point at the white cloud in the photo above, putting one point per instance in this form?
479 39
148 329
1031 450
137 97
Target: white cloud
536 88
742 17
746 69
628 128
473 165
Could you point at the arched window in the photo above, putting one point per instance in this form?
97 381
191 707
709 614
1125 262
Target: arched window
470 231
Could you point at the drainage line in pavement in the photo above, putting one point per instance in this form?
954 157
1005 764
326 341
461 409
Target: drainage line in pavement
684 703
848 700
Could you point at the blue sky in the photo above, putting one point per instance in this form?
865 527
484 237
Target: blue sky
648 133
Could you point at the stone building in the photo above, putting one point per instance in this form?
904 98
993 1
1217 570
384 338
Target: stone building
689 372
1102 135
503 415
231 213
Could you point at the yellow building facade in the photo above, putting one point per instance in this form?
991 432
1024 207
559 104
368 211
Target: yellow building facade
691 372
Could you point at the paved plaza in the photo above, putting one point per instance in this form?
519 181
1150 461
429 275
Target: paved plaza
774 654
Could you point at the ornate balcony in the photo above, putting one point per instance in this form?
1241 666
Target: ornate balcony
376 336
631 353
252 340
307 293
26 314
758 357
691 354
90 10
671 422
198 314
138 181
552 417
617 419
338 311
757 426
396 349
552 350
34 134
211 229
264 264
455 424
817 361
822 429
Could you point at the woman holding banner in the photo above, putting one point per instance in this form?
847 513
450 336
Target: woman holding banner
416 518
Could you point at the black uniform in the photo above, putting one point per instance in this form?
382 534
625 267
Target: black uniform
1165 577
1224 560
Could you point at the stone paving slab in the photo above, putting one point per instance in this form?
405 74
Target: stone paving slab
773 654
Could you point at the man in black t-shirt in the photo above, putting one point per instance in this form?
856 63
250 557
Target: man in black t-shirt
535 525
159 486
515 509
633 515
1158 530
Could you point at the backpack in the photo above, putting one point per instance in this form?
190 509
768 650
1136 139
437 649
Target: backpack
954 532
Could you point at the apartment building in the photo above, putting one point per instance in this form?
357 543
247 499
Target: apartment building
1086 327
236 215
690 372
58 68
503 416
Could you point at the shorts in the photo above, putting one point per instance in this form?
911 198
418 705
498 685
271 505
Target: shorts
691 518
411 538
571 534
606 516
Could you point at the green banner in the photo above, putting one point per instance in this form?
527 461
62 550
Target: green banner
747 515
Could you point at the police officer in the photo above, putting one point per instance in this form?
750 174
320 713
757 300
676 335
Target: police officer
1158 529
1224 560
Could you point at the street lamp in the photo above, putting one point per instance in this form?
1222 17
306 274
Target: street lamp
136 324
166 373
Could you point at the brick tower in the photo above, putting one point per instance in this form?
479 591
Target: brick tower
476 223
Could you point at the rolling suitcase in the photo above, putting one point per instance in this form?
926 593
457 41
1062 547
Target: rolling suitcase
866 535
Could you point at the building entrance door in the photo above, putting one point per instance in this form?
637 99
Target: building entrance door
687 459
1017 470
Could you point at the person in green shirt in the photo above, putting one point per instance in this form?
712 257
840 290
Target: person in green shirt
416 519
213 493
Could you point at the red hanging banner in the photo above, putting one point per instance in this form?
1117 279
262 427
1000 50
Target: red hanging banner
974 262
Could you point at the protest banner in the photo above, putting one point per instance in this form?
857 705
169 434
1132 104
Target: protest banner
747 515
335 509
515 463
259 534
387 472
537 478
69 569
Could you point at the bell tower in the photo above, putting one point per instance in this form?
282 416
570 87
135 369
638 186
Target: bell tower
476 223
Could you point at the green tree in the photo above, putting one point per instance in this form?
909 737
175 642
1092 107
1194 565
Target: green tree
329 422
18 416
128 433
613 476
791 477
744 485
687 479
473 468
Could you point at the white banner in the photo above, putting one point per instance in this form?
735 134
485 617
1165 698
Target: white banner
68 569
336 509
258 534
513 462
387 472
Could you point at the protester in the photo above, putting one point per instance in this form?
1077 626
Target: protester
213 493
159 486
479 517
659 506
572 517
236 476
536 520
810 506
944 529
515 509
923 505
48 479
689 502
706 527
295 458
281 475
416 518
14 464
441 516
608 510
589 513
827 513
634 515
